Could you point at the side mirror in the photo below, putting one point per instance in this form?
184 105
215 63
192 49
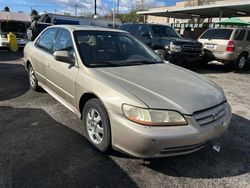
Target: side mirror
63 56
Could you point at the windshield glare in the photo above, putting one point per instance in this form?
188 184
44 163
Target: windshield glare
164 31
102 48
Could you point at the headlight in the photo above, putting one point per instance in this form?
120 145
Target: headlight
153 117
175 48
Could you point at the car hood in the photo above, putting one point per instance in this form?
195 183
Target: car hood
166 86
178 40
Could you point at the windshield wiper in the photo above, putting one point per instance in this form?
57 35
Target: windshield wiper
103 63
142 62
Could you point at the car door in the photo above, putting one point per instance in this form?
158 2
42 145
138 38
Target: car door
61 75
41 54
144 34
248 42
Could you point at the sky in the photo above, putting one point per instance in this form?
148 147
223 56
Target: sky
83 6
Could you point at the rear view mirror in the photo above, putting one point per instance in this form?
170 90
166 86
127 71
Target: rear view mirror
63 56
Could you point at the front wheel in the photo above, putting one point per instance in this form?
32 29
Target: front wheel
241 62
96 120
32 79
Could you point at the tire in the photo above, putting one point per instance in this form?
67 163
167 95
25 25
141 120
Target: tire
32 79
241 62
97 125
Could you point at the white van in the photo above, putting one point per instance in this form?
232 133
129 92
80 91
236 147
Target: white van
16 23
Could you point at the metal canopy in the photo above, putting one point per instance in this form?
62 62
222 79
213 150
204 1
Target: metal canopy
239 9
14 16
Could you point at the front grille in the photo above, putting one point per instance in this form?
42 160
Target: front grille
192 49
212 115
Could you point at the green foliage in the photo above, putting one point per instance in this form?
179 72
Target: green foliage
34 12
7 9
131 17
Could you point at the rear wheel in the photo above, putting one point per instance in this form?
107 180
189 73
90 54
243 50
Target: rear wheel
96 121
241 62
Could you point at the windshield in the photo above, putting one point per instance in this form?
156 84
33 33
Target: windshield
102 48
164 31
12 26
222 34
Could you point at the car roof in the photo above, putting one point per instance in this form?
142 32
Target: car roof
146 24
232 28
86 28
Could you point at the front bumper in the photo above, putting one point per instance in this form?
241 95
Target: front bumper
20 42
221 56
151 142
184 57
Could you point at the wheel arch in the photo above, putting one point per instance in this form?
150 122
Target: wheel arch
86 97
245 53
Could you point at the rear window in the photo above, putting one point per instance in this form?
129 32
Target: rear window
222 34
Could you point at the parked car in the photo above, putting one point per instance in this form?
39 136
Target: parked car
16 23
50 19
127 97
227 45
166 42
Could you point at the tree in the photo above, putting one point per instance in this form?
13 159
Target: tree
7 9
34 12
131 17
34 15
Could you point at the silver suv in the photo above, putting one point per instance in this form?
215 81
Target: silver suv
227 45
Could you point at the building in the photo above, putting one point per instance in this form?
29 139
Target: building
169 20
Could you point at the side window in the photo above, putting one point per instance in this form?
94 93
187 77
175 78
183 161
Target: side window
248 36
46 40
143 29
133 29
124 27
239 35
63 42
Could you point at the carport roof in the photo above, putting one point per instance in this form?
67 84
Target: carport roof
235 9
5 16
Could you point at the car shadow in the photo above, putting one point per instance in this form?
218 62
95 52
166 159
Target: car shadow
37 151
13 81
6 55
216 68
232 160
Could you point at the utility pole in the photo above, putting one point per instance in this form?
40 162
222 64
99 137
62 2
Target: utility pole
95 8
118 6
76 10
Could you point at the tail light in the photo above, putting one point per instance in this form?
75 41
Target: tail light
230 46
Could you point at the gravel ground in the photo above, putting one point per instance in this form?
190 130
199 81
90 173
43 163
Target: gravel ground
41 142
